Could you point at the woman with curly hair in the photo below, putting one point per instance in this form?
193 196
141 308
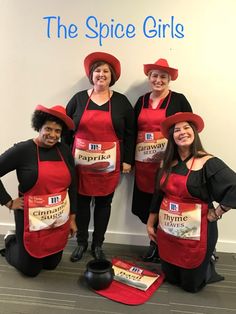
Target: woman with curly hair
44 211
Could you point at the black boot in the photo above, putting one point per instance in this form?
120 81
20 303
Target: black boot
212 276
151 255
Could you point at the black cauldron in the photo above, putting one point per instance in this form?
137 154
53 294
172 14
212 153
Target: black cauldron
99 274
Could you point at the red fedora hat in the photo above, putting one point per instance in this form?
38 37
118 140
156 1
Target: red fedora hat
161 64
181 117
102 56
59 112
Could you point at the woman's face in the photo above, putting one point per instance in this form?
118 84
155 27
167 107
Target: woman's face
183 134
159 80
49 134
102 76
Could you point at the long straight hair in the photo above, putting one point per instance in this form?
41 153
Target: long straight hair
171 154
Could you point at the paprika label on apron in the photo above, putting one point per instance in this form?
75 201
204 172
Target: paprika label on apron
95 156
150 147
182 220
48 211
96 150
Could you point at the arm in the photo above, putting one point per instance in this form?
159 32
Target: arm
72 191
185 105
178 103
67 135
5 198
129 137
221 184
154 210
9 161
74 110
151 230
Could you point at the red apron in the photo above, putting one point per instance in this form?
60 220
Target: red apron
46 209
182 227
96 151
150 146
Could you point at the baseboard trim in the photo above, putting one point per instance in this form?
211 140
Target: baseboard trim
141 239
135 239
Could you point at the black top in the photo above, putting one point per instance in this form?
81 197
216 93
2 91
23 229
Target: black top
122 114
214 182
22 158
178 103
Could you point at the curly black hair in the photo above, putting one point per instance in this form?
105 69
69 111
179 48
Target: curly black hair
39 118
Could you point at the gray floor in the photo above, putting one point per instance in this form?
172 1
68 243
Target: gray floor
64 291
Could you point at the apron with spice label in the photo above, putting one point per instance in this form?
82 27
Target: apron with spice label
150 146
182 228
96 152
47 209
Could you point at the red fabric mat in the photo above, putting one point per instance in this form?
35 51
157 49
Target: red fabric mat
123 293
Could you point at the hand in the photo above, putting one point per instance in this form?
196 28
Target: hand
126 168
214 214
73 226
17 203
152 233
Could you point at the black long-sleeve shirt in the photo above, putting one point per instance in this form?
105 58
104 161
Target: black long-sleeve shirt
178 103
214 182
22 158
123 119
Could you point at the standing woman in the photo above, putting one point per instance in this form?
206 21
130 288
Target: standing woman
151 109
45 209
188 181
102 145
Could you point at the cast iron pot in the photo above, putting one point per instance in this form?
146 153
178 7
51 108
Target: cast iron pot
99 274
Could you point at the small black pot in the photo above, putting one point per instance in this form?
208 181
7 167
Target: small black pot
99 274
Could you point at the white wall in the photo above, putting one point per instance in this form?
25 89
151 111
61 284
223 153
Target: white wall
37 69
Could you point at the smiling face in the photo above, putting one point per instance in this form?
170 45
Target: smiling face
101 76
49 134
183 134
159 80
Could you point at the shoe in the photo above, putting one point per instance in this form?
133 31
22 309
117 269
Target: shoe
10 235
214 257
9 232
211 275
78 252
151 254
98 253
3 252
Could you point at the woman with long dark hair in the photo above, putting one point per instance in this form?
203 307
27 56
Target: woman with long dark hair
189 180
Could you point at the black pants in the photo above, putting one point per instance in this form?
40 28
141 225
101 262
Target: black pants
102 212
193 280
141 203
17 256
